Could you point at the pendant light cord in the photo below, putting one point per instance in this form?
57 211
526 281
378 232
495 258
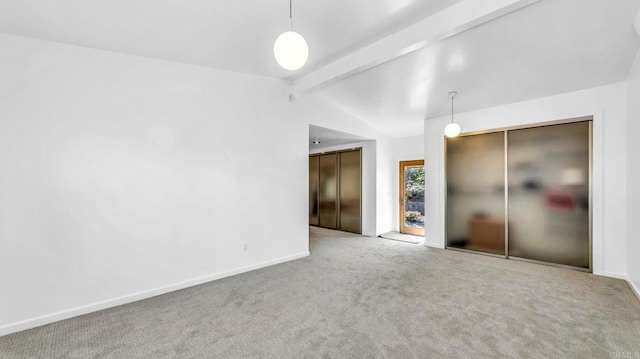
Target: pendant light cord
291 14
452 94
451 109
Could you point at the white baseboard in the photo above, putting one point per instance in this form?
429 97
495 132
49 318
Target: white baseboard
432 245
634 288
624 277
612 275
74 312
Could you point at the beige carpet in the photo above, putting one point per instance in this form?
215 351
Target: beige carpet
362 297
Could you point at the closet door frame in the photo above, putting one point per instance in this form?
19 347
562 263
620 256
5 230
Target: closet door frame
505 131
338 152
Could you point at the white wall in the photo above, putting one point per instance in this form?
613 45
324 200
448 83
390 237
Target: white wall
314 110
633 174
123 177
608 105
404 149
385 186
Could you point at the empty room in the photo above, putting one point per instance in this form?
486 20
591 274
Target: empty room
319 179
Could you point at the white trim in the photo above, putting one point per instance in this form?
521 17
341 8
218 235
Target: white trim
432 244
74 312
597 191
634 288
613 275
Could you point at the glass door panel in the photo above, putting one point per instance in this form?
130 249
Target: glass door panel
549 194
327 196
313 190
476 193
412 197
350 191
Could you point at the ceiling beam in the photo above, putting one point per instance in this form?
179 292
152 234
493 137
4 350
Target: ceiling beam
451 21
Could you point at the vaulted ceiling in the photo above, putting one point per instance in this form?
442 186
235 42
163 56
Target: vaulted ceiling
541 48
548 48
234 35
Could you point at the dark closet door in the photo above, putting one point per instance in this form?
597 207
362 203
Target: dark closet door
350 191
313 190
328 192
549 217
476 193
335 190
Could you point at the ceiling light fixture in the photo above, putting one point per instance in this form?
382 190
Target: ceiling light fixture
290 49
452 129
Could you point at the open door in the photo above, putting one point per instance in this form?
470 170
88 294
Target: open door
412 197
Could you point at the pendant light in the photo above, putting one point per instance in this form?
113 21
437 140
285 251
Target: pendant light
452 129
290 49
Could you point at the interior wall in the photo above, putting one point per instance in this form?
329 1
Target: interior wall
384 186
608 105
633 173
404 149
123 177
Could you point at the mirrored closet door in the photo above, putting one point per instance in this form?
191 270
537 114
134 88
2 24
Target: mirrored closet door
522 193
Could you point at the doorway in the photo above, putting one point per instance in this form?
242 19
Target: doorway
335 190
412 197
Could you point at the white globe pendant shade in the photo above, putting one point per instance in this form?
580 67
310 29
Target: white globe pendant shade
452 130
291 50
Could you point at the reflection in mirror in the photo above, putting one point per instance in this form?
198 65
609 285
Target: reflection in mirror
475 193
549 194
